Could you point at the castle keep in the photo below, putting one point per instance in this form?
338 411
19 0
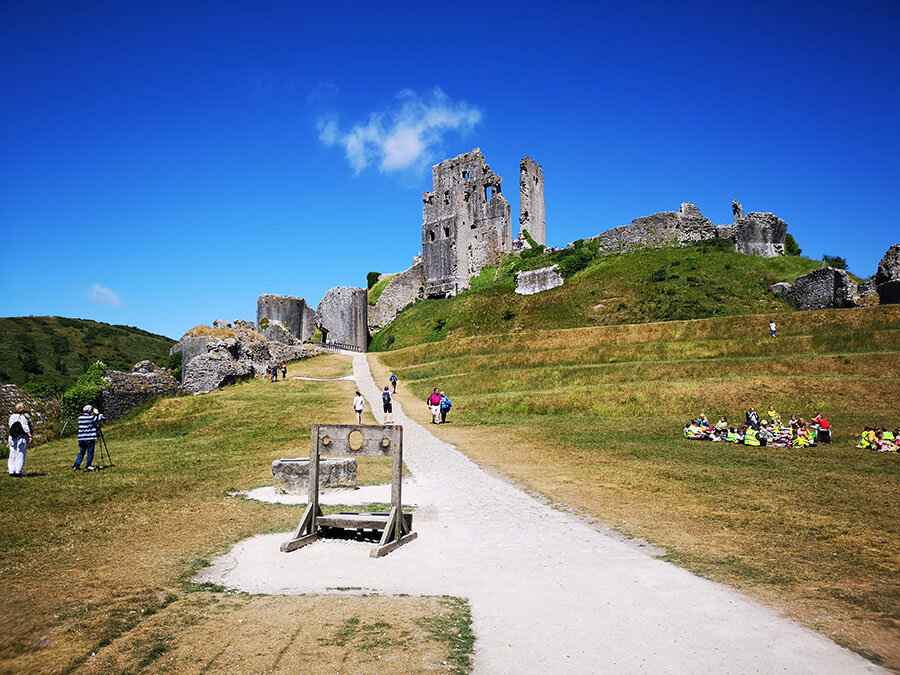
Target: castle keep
466 221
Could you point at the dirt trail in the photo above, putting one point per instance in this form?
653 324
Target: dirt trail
548 592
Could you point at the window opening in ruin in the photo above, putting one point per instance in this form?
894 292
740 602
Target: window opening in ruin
535 180
472 227
446 231
446 197
431 235
466 197
488 193
465 174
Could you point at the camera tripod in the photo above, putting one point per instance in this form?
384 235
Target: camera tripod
102 447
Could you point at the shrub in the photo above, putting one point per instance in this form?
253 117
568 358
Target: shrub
42 389
372 278
659 274
264 323
791 247
508 314
835 261
572 261
86 390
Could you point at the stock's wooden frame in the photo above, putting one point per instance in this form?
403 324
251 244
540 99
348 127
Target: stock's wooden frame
343 440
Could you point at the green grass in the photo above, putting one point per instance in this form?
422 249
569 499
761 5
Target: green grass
376 290
592 418
699 281
453 627
56 349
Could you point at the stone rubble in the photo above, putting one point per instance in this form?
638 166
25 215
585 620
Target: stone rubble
824 288
536 281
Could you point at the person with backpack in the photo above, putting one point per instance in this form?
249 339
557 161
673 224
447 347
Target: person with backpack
274 372
387 405
445 407
19 438
393 379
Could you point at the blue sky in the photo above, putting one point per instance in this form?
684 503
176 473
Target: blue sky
162 164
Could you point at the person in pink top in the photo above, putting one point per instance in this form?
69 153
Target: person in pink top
435 402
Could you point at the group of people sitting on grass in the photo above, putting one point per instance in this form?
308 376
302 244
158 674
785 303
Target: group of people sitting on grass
770 430
881 439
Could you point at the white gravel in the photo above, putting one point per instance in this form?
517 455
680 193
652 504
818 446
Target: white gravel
549 593
368 494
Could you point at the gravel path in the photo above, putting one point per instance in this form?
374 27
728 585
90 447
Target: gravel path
549 594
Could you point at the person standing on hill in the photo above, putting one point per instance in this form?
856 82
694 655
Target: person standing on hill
445 407
358 404
87 437
393 379
283 371
772 328
434 402
19 432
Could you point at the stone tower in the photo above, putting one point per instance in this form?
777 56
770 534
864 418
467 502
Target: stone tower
532 213
343 316
466 223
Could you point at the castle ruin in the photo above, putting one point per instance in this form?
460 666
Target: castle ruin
466 224
532 213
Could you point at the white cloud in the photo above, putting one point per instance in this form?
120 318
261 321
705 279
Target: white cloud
101 295
404 136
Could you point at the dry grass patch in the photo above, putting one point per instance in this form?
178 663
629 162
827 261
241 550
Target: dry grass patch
812 531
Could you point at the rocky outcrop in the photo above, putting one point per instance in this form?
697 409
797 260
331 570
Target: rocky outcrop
401 291
292 474
823 289
276 331
293 312
760 234
40 413
125 391
221 323
536 281
240 324
343 316
887 278
208 372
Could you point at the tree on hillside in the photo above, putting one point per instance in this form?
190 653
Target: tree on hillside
372 278
835 261
791 247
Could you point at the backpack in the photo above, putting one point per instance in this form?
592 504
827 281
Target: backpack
386 397
16 429
446 403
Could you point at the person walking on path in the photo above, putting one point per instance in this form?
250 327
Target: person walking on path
274 377
434 402
772 328
19 438
387 405
283 371
445 407
358 404
87 437
393 379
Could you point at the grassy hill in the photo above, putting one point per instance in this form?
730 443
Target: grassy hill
592 418
57 349
698 281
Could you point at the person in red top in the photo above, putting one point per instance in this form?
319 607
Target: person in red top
435 402
823 426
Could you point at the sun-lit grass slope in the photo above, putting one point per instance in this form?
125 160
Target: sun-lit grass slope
376 290
592 417
86 557
57 349
699 281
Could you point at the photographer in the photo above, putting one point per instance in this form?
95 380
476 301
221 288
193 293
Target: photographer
88 422
19 433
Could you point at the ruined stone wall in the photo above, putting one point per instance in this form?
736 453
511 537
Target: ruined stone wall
292 311
466 223
401 291
759 234
126 391
537 281
192 346
667 228
887 278
823 289
532 212
343 316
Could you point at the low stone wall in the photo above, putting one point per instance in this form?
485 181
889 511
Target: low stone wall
40 414
536 281
292 474
126 391
401 291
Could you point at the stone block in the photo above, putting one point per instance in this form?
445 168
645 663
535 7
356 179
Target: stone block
889 292
536 281
292 474
760 234
825 288
276 331
292 311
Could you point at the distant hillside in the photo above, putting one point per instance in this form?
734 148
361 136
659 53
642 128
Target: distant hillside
56 349
693 282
